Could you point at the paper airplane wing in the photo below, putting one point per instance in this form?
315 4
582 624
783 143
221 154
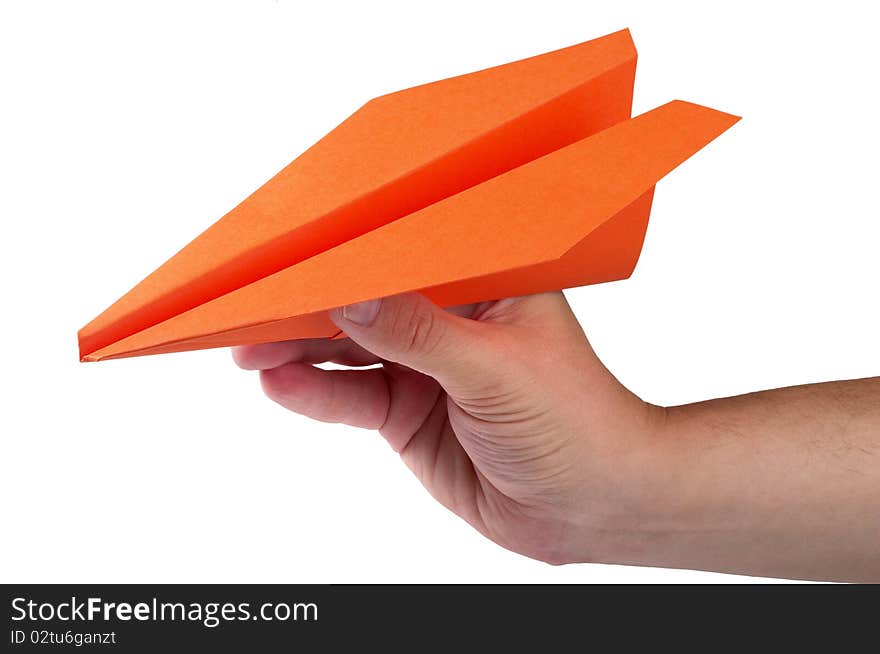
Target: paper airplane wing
574 216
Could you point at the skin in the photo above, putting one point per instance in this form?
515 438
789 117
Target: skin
508 418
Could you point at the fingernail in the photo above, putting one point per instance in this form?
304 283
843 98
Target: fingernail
362 313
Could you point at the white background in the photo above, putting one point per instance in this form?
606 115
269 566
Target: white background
125 131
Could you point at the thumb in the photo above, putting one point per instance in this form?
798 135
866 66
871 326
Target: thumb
411 330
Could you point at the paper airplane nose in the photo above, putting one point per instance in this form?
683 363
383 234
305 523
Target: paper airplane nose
517 179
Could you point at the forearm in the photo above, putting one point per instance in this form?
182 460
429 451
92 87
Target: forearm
778 483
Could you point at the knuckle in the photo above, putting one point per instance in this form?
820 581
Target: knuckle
421 332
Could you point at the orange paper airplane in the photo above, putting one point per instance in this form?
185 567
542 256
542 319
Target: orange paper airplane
526 177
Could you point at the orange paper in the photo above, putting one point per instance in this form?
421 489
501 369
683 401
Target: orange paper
521 178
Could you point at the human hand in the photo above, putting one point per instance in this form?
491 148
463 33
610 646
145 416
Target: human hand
503 412
509 419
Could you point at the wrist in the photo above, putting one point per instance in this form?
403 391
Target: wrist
693 507
638 508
